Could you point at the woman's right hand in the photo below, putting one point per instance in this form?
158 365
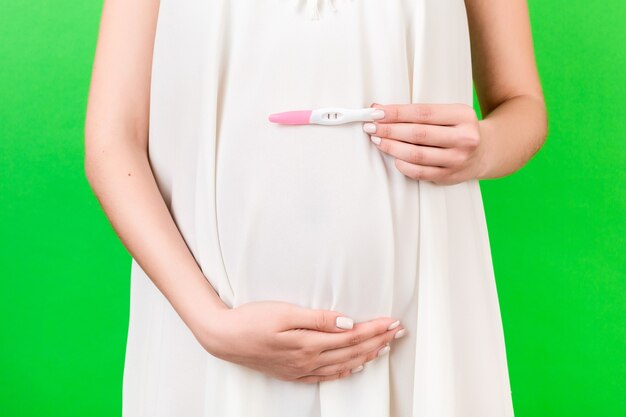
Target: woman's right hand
294 343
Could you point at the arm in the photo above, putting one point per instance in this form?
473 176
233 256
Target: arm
116 160
446 143
514 125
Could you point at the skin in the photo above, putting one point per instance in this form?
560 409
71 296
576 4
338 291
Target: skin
287 341
445 143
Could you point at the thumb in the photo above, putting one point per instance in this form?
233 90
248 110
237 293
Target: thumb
320 320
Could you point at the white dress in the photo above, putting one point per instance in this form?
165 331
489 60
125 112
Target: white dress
315 215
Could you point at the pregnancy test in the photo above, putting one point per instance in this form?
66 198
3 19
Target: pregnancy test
326 116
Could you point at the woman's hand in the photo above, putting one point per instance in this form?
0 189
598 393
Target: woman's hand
432 142
297 344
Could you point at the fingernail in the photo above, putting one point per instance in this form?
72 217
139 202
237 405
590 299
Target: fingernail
400 333
357 369
344 322
369 127
393 325
383 350
378 114
375 139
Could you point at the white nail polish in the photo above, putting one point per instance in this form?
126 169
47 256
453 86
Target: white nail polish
383 350
393 325
378 114
400 333
344 322
357 369
375 139
369 127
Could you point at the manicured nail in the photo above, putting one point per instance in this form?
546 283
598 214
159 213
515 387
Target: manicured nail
384 350
344 322
378 114
400 333
375 139
357 369
393 325
369 127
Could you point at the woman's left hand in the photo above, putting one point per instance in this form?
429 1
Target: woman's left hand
432 142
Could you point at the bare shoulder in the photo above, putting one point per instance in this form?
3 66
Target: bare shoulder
120 80
503 59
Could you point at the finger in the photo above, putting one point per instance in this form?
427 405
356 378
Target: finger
428 113
321 378
336 357
354 365
358 363
419 134
320 320
420 155
361 332
318 342
421 172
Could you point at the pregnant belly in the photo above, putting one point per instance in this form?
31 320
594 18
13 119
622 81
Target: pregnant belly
313 218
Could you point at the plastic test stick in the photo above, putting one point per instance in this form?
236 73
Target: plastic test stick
325 116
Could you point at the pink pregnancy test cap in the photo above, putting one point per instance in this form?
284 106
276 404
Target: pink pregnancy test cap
296 117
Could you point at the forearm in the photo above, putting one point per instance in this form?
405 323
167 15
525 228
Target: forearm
122 179
511 134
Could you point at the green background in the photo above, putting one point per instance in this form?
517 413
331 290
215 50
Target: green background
556 226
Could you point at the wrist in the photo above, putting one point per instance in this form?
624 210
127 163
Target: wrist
208 326
202 310
484 162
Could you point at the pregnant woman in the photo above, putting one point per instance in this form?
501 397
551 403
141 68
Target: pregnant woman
310 270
